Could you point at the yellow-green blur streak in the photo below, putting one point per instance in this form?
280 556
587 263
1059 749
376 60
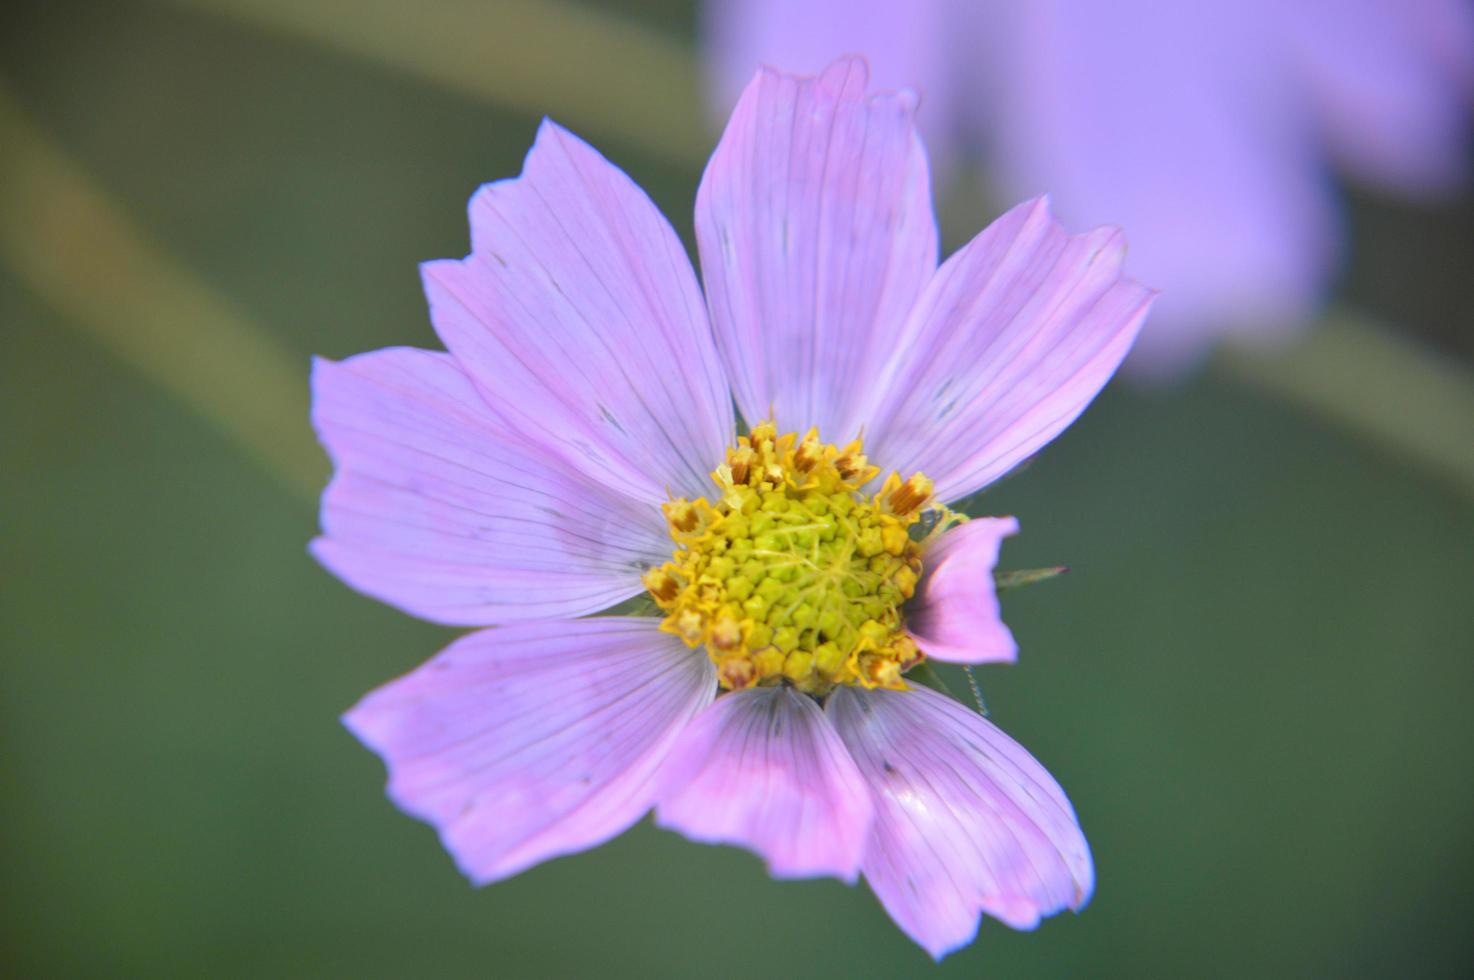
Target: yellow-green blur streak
62 236
598 74
1375 383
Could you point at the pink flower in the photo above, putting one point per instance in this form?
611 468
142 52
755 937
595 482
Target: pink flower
1208 128
577 447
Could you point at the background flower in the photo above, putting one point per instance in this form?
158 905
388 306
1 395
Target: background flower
1208 129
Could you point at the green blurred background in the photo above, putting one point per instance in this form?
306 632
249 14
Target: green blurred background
1255 685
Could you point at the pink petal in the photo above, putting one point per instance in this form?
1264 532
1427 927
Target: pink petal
1013 337
816 234
965 822
954 616
525 742
906 45
578 315
763 769
437 510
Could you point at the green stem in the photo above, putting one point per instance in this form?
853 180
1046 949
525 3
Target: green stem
1373 382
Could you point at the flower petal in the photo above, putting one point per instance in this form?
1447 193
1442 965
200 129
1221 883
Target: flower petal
954 616
578 315
436 509
1013 337
763 769
906 45
816 233
525 742
965 821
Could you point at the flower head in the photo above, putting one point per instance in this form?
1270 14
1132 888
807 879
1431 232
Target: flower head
1207 128
577 447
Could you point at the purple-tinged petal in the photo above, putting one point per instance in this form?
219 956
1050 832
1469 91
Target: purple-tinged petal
816 233
436 509
764 769
906 45
525 742
1392 82
578 315
966 821
954 616
1012 338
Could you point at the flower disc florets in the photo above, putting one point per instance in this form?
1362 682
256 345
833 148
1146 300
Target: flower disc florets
793 574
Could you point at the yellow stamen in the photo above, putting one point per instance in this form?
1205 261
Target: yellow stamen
793 575
908 497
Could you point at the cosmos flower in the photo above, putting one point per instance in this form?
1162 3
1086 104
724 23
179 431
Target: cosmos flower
1208 129
577 447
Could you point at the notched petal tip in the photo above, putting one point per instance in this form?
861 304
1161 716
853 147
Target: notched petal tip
763 769
816 232
551 136
571 256
967 822
939 951
845 79
524 743
376 721
779 869
549 131
320 365
1015 913
315 549
834 77
352 719
1011 339
364 723
1108 241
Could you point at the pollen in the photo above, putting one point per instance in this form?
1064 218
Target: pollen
794 575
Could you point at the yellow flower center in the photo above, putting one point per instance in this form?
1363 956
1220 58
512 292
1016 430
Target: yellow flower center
793 574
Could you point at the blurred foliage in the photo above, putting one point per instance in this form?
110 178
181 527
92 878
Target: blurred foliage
1254 684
